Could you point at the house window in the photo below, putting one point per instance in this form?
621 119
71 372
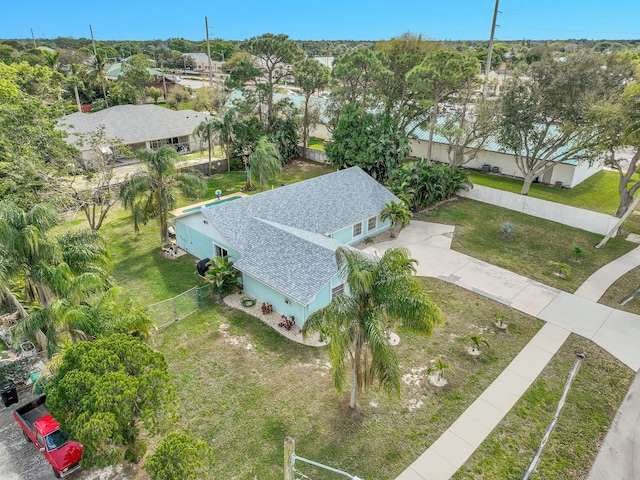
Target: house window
221 252
372 223
357 229
337 291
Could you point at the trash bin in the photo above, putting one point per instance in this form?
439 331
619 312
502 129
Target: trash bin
9 392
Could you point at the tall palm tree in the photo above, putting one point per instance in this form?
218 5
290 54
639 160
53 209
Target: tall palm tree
398 214
153 192
207 130
379 290
265 161
98 74
224 125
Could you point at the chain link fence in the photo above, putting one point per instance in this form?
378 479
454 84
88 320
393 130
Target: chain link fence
173 309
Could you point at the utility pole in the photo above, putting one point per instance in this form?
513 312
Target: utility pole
93 41
206 24
487 68
33 37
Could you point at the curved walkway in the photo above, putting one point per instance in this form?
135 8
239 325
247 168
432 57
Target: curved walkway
617 332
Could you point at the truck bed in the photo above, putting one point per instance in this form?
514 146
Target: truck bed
32 411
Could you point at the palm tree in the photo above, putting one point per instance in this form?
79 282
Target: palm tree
98 74
265 161
439 367
224 125
67 269
477 341
379 290
222 275
398 214
206 130
152 192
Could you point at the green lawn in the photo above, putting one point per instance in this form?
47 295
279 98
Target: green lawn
317 143
243 388
536 242
624 287
592 402
598 192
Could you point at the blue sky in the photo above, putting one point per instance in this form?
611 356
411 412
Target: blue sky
328 19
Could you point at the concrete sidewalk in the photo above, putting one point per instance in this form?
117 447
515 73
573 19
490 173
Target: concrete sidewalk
616 331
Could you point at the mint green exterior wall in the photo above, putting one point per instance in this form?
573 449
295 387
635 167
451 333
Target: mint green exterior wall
263 293
197 237
346 234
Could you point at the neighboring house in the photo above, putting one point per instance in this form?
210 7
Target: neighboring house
493 158
283 241
139 127
200 60
114 71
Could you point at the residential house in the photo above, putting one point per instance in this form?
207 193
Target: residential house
200 60
283 241
138 126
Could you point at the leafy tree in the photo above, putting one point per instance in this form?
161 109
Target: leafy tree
176 96
135 72
104 390
33 151
618 121
544 119
369 141
207 130
357 74
276 53
209 99
152 192
99 191
403 103
265 161
154 93
379 290
246 134
311 76
398 214
441 74
467 131
180 457
284 133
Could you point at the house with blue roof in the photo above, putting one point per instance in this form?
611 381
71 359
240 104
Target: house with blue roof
283 241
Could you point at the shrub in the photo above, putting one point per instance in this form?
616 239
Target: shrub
180 457
507 230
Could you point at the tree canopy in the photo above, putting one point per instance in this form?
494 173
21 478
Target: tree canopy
103 389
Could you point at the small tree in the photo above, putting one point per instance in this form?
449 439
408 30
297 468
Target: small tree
440 367
476 342
180 457
154 93
398 214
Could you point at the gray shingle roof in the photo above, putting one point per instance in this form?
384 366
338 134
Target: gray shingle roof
281 233
292 261
135 123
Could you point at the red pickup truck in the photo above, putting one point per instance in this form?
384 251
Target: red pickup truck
40 428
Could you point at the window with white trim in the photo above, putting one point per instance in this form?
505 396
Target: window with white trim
337 291
357 229
221 252
372 223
